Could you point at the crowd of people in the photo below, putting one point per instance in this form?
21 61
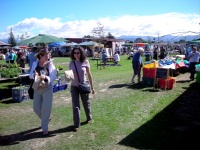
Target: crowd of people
23 57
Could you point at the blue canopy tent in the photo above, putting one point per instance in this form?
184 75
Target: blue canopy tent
57 44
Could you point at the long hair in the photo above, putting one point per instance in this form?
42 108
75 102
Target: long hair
82 54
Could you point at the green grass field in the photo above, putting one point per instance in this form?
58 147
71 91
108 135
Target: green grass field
126 116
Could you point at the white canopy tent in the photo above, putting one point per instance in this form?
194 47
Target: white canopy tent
71 44
90 43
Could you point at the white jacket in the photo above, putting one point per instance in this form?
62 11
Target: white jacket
52 72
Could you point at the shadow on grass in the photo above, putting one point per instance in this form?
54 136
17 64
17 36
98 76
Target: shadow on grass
8 101
118 86
6 90
13 139
175 127
6 93
128 85
152 90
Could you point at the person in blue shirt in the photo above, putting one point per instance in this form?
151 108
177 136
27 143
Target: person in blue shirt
103 57
32 57
137 64
11 57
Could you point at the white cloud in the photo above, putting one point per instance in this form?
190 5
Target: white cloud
123 25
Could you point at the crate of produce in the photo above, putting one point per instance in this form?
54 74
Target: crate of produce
148 82
151 65
198 77
20 93
149 72
167 83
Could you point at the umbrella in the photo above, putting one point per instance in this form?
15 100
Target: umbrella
42 38
4 44
23 46
56 44
141 44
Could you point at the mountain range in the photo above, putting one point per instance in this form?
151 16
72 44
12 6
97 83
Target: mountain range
168 38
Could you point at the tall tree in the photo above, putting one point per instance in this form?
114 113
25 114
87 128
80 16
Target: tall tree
98 33
182 41
87 36
139 40
11 39
110 36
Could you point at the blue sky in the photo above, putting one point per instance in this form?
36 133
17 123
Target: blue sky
76 18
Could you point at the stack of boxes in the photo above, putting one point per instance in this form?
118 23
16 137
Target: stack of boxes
149 73
149 76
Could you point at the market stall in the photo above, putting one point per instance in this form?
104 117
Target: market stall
162 73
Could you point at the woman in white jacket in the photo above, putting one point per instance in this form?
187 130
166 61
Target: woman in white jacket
42 99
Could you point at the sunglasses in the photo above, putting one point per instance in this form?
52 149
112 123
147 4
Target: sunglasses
76 53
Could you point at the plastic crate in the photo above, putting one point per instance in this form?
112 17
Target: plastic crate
55 89
63 87
20 94
149 72
20 99
149 82
167 83
151 65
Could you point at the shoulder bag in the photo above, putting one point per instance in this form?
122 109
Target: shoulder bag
84 88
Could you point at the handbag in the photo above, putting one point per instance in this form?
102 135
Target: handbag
84 88
31 90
